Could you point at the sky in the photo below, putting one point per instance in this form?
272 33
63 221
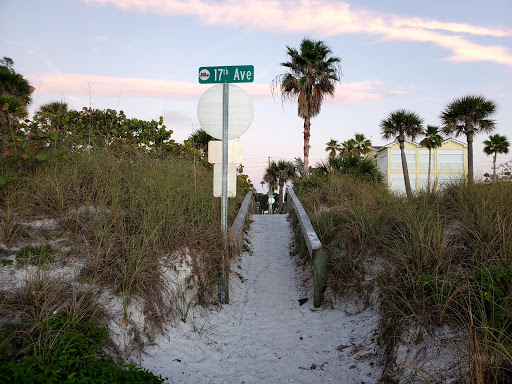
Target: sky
143 56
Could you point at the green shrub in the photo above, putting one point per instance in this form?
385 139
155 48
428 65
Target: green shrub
60 349
492 288
361 168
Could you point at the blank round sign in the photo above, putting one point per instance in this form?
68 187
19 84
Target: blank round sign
240 111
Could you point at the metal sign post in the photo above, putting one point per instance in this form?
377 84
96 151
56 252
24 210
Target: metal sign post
224 202
231 127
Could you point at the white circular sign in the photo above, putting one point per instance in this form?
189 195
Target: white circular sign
204 74
271 200
240 111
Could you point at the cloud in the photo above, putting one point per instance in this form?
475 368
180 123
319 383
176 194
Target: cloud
82 84
77 85
329 18
358 92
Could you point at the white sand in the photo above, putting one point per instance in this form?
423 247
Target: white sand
263 335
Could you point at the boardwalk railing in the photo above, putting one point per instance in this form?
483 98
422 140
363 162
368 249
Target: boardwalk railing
237 229
309 240
236 238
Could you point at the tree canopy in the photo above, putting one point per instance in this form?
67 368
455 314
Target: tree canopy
15 93
312 73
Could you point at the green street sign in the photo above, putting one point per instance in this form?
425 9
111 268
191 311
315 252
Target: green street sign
271 196
232 74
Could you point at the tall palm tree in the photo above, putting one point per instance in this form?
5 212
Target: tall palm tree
469 115
402 124
271 178
332 146
432 140
279 173
361 144
496 144
312 74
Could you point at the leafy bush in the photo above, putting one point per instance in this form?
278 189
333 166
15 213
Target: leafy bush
60 349
362 168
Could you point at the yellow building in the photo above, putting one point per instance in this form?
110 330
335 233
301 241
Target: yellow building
449 164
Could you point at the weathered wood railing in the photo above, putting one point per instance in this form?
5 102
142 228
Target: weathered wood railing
236 238
237 229
309 240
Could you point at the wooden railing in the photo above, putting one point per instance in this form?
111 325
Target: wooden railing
309 240
237 229
236 240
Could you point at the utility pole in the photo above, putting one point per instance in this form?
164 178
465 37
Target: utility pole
270 206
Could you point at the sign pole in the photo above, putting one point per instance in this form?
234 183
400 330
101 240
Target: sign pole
210 122
223 298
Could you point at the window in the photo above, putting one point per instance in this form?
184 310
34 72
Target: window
450 159
424 180
424 159
384 162
398 183
447 179
396 159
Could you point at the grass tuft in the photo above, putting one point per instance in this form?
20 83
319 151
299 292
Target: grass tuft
445 259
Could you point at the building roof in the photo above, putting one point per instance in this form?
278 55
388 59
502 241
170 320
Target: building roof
389 145
456 141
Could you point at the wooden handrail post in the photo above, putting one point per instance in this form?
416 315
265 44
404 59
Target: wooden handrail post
310 240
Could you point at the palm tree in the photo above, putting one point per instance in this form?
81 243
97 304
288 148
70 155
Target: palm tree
496 144
271 178
348 147
277 174
401 124
312 74
469 115
361 144
332 146
432 140
200 140
52 114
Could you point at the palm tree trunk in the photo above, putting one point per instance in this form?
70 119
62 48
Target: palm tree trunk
494 167
405 170
307 135
429 168
469 135
281 197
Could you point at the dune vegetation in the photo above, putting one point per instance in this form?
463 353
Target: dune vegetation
435 260
97 210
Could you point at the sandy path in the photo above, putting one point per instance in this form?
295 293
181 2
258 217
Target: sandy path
264 335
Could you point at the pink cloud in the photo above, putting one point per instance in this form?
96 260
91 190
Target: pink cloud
75 85
328 18
78 85
358 92
462 49
417 22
